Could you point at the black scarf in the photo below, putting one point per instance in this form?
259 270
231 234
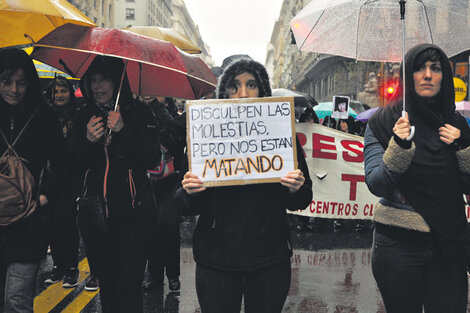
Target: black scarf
433 183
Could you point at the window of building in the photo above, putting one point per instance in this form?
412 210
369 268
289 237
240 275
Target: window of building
130 0
130 14
102 7
110 11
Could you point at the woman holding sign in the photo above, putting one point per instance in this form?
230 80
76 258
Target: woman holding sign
420 250
242 242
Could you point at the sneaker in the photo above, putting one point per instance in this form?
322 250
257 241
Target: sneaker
71 278
55 276
174 284
92 284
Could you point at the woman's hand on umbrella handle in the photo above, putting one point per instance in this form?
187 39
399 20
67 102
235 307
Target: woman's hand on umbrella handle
293 180
115 122
192 184
402 127
449 133
95 129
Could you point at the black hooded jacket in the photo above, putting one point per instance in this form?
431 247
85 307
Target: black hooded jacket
244 227
433 183
41 142
132 150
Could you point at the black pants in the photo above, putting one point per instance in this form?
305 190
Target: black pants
63 231
165 250
264 290
411 273
119 260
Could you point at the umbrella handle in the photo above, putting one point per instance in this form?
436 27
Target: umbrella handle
116 105
412 130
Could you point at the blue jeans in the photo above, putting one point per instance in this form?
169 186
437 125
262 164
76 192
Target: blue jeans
411 273
264 290
17 287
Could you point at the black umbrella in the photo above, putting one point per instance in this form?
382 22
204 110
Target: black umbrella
302 100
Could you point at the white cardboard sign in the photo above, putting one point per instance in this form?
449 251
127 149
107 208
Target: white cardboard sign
241 141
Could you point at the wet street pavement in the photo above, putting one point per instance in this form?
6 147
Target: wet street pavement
330 274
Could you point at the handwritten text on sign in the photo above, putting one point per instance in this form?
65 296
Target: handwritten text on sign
241 141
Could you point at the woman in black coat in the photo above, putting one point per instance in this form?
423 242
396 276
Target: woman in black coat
23 244
242 239
114 149
420 252
62 211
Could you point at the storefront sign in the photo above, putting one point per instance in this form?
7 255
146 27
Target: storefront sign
460 89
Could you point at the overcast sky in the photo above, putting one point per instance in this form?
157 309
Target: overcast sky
235 27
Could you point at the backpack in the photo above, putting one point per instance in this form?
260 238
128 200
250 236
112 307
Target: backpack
17 185
164 168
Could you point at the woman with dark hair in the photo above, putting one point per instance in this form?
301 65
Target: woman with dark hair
309 115
23 244
115 148
420 247
164 256
62 212
242 240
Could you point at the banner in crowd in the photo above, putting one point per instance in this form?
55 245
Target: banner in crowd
241 141
336 165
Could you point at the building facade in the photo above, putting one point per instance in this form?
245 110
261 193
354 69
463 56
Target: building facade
101 12
183 22
142 13
323 76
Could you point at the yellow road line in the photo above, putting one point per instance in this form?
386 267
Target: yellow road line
79 303
55 293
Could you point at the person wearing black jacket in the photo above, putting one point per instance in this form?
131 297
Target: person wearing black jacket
114 149
62 212
241 243
23 244
165 251
421 245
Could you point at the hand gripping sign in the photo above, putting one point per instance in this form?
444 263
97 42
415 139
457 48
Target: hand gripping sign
241 141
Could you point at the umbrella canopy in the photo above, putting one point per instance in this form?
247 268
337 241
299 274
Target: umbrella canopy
365 115
302 100
371 30
35 18
167 34
324 109
47 71
155 67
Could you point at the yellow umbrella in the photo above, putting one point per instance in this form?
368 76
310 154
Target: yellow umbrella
167 34
47 71
35 18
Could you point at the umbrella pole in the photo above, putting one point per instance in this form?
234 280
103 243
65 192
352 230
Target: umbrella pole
402 17
116 105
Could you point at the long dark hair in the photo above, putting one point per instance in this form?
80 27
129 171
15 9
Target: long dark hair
13 59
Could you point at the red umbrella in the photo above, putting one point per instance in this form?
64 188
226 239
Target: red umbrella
154 67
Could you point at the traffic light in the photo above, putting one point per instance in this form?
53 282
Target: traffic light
389 89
